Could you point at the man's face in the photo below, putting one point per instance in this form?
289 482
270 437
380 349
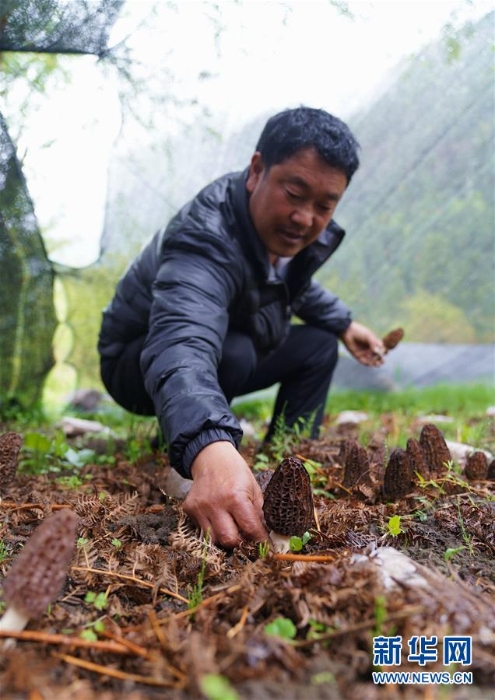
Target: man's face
292 202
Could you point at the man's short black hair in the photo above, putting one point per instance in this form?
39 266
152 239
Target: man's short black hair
305 127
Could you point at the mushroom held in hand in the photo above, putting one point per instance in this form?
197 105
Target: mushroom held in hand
392 339
288 506
38 572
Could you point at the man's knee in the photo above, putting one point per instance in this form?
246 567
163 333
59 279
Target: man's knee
318 346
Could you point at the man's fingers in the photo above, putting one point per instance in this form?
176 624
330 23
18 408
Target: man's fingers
250 522
219 525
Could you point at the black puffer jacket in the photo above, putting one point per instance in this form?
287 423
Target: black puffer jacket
206 272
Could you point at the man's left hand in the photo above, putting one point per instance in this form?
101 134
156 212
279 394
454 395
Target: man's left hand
363 344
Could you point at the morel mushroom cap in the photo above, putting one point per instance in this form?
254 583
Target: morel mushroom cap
435 449
476 466
10 445
415 451
398 481
288 505
38 572
392 339
357 464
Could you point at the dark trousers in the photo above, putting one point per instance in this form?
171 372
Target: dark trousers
303 366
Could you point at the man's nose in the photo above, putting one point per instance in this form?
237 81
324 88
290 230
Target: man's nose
302 216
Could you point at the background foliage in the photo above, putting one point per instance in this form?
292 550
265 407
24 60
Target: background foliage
419 215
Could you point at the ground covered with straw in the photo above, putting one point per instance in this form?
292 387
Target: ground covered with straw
150 609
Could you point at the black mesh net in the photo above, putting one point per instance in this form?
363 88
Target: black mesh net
27 316
27 313
79 26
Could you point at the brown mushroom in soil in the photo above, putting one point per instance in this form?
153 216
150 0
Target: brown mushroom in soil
357 464
415 452
10 445
38 572
398 481
476 468
288 504
435 449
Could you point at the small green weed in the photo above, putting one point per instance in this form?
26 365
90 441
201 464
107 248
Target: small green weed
380 614
282 627
393 526
70 482
297 543
286 439
91 631
324 677
42 454
98 600
261 462
3 552
196 595
451 552
317 629
216 687
464 532
263 549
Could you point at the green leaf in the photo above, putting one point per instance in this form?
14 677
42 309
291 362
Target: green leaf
79 458
216 687
393 525
295 544
281 627
451 552
37 442
89 635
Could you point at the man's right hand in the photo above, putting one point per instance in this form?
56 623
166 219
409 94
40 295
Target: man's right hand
225 498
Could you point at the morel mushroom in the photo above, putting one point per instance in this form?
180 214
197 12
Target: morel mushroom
415 451
435 449
476 468
10 445
38 572
357 464
288 505
398 480
392 339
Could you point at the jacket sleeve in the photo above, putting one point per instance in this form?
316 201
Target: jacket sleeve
320 307
194 286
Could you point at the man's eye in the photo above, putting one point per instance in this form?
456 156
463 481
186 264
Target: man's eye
293 195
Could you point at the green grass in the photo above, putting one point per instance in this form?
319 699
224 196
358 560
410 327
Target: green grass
465 405
444 398
463 400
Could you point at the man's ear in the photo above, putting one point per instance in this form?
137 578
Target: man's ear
256 171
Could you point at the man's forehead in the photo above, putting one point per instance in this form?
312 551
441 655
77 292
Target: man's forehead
306 178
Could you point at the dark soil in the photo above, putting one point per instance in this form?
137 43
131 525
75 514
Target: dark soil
142 639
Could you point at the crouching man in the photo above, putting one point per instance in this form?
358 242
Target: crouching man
203 314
